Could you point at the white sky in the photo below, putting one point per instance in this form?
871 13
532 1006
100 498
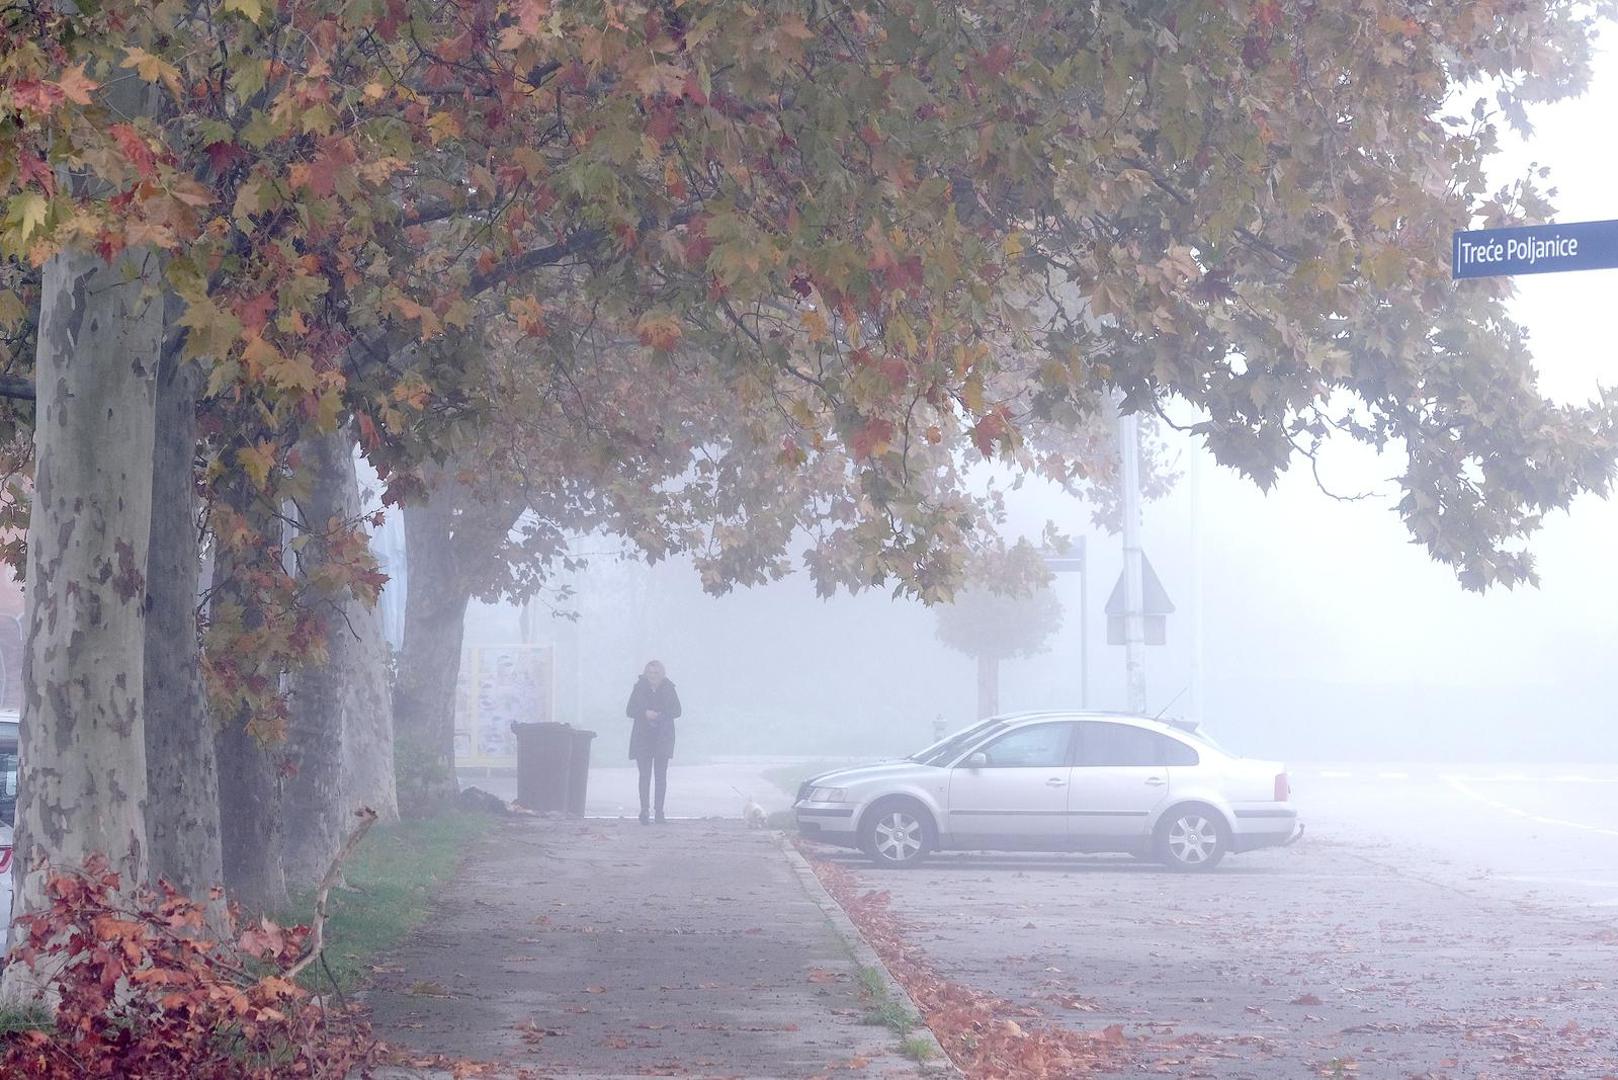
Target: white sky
1331 598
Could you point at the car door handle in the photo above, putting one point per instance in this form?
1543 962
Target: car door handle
1156 781
1055 781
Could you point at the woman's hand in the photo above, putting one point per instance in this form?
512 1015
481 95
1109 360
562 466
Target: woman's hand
651 714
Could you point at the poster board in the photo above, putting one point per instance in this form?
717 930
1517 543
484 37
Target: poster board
499 685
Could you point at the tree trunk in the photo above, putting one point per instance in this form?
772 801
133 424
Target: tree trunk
250 830
340 711
83 743
367 714
182 818
429 661
988 686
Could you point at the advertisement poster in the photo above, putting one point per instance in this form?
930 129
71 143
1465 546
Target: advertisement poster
499 685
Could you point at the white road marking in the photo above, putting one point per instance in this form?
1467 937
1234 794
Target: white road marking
1393 776
1334 774
1518 778
1460 785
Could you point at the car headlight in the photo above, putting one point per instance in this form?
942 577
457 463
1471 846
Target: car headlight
826 794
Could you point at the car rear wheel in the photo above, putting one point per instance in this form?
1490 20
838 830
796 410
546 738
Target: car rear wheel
1192 838
897 833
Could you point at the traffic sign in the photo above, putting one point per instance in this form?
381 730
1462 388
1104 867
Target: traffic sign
1536 249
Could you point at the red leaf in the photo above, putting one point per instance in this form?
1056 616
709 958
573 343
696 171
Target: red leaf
135 150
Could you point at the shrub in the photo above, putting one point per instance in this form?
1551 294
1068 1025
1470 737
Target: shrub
142 989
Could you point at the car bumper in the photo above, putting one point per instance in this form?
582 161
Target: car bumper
828 823
1264 827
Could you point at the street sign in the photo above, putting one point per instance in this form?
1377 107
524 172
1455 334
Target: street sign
1536 249
1155 607
1066 564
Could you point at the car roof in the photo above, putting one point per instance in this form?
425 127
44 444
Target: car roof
1093 714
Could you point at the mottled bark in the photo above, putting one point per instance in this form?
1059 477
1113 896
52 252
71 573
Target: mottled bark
83 745
368 773
249 773
429 661
988 686
314 803
182 815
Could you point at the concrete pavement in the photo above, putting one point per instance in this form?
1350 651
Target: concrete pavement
706 789
608 948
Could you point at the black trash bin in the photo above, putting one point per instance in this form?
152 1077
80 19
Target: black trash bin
544 753
578 770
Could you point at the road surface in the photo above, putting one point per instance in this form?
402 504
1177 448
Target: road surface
1436 922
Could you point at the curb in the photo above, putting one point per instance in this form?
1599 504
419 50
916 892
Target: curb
864 955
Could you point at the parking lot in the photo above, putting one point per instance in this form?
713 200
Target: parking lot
1417 933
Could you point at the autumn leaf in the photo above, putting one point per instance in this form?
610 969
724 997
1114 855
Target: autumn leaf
257 461
871 438
153 69
251 10
658 331
75 86
26 214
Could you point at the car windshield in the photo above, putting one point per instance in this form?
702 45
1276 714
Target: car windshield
945 750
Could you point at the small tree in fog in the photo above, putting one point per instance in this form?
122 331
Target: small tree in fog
991 627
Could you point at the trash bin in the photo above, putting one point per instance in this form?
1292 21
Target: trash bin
544 753
578 770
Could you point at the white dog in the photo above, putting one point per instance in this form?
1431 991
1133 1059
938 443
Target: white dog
754 815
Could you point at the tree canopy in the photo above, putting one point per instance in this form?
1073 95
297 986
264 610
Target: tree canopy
765 282
861 215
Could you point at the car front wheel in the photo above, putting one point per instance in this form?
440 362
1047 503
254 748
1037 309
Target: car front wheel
897 833
1192 838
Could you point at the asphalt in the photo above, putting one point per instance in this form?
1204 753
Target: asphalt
608 948
1443 923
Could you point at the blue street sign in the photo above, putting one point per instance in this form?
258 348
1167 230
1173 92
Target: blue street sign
1536 249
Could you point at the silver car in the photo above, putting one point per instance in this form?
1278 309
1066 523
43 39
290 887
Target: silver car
1057 781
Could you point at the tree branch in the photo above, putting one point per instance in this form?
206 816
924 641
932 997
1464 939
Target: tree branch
17 387
317 928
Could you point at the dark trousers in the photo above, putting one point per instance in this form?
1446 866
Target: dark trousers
648 767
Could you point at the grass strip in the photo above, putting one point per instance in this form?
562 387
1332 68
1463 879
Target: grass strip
390 882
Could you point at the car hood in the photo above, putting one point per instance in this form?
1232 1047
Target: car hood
884 770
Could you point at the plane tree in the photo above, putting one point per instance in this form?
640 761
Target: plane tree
891 237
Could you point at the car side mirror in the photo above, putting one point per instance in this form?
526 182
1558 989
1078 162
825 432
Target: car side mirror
979 760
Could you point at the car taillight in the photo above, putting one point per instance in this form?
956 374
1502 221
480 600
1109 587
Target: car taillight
1283 787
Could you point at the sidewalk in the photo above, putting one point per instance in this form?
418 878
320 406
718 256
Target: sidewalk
716 789
606 948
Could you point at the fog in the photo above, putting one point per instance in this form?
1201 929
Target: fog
1326 634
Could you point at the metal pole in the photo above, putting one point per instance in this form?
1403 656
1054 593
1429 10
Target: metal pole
1134 620
1084 624
1196 586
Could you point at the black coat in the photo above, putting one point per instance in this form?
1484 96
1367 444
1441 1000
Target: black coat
652 738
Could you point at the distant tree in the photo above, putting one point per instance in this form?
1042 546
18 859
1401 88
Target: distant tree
1007 614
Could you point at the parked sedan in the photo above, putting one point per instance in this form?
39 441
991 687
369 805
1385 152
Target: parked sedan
1057 781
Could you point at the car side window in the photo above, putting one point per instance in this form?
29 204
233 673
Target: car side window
1175 752
1035 747
1117 744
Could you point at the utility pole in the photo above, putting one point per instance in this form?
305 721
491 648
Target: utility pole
1196 585
1134 619
1084 624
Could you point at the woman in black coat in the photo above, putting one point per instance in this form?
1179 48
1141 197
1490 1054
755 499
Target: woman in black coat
653 705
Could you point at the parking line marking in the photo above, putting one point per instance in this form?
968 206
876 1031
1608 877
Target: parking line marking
1460 786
